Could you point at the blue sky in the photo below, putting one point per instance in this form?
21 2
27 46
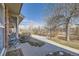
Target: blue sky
34 13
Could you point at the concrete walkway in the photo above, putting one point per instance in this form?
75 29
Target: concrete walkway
44 39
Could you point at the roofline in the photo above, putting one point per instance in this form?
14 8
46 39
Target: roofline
22 17
20 8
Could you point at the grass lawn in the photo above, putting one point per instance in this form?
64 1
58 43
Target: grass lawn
67 43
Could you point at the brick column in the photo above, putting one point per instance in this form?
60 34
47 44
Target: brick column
6 27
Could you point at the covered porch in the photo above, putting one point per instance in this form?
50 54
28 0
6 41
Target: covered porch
13 19
13 27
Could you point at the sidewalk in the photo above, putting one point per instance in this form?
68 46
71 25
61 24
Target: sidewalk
44 39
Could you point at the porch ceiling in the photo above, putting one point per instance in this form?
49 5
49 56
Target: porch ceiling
14 10
21 17
14 7
13 20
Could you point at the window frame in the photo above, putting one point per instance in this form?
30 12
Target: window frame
2 26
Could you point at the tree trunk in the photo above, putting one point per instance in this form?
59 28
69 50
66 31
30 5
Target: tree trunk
67 29
50 34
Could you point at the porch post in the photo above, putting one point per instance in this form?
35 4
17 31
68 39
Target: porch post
4 22
17 27
6 27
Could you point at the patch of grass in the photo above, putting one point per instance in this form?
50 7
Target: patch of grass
67 43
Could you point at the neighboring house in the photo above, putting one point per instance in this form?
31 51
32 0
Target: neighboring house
9 20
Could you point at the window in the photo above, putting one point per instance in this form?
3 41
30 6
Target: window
1 38
1 28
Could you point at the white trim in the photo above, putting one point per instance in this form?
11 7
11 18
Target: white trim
3 52
3 5
3 18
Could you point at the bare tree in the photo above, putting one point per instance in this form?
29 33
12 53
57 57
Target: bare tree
72 10
53 23
62 14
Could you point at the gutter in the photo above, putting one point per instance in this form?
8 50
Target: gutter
20 8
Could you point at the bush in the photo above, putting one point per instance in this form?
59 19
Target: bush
24 37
